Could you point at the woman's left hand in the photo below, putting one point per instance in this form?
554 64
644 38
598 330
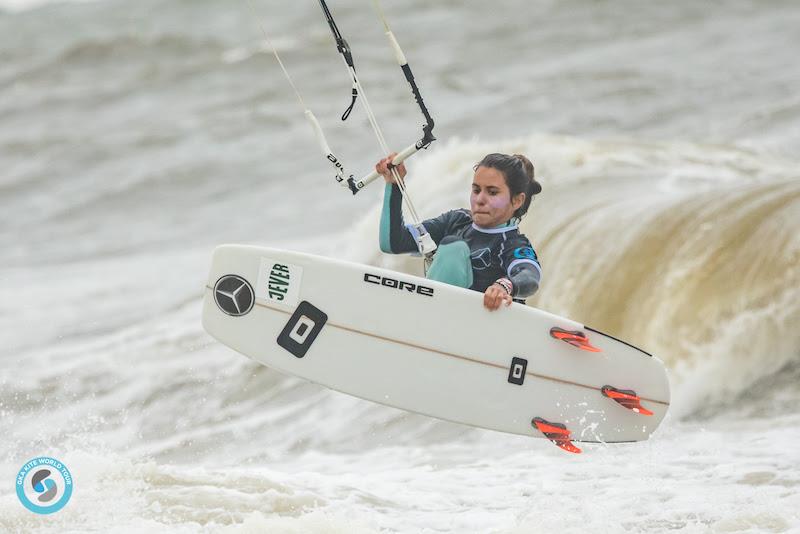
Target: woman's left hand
495 296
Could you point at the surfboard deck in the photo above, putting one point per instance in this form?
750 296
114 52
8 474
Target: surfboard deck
428 347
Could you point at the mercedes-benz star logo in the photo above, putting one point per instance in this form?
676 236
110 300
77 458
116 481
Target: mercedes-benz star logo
233 295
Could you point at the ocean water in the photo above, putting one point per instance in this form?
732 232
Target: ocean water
137 136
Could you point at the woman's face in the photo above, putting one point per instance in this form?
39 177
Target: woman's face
490 200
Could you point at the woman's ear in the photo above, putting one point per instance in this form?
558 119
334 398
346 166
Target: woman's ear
518 201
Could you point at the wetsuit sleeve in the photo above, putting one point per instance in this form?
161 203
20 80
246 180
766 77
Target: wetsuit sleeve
395 237
523 269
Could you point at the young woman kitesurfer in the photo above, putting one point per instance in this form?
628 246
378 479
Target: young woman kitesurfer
481 249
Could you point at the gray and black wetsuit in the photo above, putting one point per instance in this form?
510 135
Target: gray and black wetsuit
485 254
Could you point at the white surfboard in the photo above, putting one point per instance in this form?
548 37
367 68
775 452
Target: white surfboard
432 348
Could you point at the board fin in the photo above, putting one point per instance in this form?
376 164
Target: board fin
627 398
557 433
576 338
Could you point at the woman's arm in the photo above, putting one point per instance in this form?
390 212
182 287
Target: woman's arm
523 275
395 236
524 278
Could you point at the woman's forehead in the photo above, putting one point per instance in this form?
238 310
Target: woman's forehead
487 176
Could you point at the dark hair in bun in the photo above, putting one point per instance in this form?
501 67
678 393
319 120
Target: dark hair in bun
519 174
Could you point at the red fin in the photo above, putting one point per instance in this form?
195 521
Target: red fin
557 433
627 398
576 338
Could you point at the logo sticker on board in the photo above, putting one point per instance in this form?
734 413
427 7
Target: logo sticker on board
279 282
302 329
233 295
516 374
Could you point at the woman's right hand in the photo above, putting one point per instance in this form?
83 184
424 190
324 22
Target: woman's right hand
383 168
